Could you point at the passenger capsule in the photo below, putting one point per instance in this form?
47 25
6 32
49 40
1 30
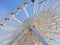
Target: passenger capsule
19 9
26 4
1 26
6 19
13 14
33 1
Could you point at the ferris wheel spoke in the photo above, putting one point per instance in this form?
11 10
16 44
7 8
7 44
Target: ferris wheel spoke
38 36
17 20
12 41
8 38
54 14
55 25
24 8
12 32
14 17
9 27
8 33
45 8
20 36
57 9
26 12
25 38
28 38
9 43
35 7
12 37
56 18
57 12
54 5
20 40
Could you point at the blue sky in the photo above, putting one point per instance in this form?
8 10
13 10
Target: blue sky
7 5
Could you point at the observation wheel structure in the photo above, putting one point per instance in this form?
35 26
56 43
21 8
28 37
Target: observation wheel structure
40 27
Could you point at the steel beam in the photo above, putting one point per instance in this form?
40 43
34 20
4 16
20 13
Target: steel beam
38 35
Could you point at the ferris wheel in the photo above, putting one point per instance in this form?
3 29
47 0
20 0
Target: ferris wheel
39 23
